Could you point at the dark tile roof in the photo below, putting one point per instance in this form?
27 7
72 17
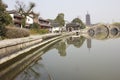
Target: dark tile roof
41 19
72 25
12 12
55 24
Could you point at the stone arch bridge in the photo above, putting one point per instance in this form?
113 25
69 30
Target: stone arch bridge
101 31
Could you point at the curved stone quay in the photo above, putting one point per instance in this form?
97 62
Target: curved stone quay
17 54
12 48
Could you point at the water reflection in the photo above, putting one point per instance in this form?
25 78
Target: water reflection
89 42
102 32
76 41
62 45
36 71
101 64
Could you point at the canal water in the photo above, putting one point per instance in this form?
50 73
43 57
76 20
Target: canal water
77 58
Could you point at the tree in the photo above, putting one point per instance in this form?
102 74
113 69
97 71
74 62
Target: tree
5 19
79 21
35 26
24 12
60 19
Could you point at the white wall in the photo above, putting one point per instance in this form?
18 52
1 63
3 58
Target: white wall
54 29
29 20
12 15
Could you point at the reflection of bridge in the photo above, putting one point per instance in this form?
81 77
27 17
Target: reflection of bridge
101 32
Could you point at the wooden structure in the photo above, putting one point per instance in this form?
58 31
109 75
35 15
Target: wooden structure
44 24
16 17
72 26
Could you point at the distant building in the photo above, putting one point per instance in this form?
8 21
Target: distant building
16 17
88 22
29 20
44 24
36 18
72 26
55 27
32 18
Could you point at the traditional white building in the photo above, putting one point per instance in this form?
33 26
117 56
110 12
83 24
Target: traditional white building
55 27
29 20
17 18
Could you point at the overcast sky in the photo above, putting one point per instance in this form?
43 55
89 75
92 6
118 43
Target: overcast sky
105 11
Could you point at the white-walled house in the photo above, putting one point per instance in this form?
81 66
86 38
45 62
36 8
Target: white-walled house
55 27
17 18
29 20
44 24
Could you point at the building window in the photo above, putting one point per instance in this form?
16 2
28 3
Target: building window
28 19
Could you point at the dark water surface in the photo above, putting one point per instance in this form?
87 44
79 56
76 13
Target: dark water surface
77 58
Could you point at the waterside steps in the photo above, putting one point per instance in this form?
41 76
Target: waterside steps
14 47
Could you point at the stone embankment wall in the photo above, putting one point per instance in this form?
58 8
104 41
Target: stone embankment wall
13 47
8 47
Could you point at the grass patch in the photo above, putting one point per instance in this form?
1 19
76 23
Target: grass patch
38 31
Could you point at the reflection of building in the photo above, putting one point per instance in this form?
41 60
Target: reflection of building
88 22
76 41
36 71
89 43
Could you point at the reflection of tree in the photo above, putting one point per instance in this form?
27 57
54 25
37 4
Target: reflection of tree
36 71
76 41
61 46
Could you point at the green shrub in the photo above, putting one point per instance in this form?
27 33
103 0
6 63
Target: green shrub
35 29
43 31
39 31
35 26
14 32
2 31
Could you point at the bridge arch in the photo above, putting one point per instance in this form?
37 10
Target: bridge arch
100 31
114 31
103 32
